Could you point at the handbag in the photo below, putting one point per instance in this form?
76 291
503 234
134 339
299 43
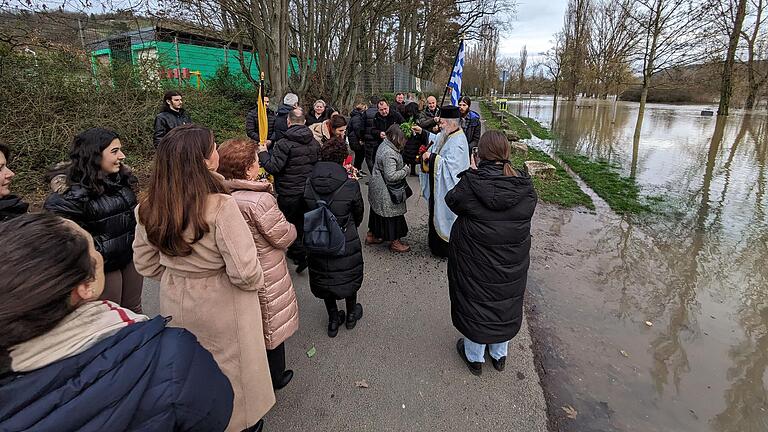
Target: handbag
398 192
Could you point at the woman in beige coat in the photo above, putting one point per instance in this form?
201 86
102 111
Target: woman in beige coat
272 234
190 235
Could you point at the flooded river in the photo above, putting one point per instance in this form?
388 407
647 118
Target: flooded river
658 323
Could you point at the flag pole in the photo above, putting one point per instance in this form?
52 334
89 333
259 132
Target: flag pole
456 58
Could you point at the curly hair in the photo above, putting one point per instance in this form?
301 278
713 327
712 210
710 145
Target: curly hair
86 155
334 150
236 155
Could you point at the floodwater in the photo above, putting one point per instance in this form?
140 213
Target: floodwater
658 323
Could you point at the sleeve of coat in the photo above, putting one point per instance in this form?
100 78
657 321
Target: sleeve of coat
67 208
399 119
251 125
358 206
237 248
475 138
204 396
160 130
426 122
454 199
146 257
272 224
274 162
390 172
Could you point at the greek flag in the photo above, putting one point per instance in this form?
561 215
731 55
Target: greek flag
458 71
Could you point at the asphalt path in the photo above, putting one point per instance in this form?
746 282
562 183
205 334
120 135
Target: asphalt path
403 350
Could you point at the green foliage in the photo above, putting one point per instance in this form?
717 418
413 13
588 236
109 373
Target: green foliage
236 88
621 193
46 100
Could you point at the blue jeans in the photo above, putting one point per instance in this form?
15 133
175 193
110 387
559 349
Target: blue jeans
476 352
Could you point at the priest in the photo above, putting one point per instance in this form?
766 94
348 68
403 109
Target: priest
446 157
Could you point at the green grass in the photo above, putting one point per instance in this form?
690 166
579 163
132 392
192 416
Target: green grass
537 129
560 189
621 193
510 123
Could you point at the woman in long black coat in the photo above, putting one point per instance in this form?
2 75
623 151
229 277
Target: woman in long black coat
333 278
489 253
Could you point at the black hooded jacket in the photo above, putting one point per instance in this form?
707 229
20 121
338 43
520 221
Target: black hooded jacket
107 217
291 160
489 252
337 277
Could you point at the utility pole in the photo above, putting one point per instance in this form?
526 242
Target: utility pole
178 59
504 83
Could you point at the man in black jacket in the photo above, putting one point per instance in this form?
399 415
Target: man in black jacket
367 136
291 160
381 122
356 134
430 117
290 101
252 121
171 115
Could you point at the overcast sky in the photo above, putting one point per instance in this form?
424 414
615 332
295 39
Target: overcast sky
537 21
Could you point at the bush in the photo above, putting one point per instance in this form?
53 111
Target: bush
46 100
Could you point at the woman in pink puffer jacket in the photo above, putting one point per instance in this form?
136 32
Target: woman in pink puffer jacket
272 234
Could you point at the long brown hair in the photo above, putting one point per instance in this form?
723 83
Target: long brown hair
396 136
178 190
494 146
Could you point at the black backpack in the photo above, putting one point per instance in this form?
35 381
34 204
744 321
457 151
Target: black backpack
322 233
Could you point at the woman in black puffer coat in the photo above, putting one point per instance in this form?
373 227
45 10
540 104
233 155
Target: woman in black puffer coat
333 278
489 252
100 195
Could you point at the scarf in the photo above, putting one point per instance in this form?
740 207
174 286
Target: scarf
83 328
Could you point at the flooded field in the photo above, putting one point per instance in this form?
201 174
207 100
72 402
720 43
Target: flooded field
657 323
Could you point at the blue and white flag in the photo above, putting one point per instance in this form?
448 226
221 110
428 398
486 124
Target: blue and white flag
458 71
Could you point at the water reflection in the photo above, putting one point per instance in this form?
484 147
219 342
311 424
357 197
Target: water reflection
698 271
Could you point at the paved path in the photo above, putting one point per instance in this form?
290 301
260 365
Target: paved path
404 348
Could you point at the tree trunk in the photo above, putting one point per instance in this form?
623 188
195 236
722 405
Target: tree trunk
638 130
726 87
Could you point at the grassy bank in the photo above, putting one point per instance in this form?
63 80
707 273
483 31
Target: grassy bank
621 193
561 189
538 130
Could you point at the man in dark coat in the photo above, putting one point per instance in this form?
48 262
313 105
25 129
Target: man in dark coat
370 140
290 161
171 115
399 104
489 256
429 117
290 101
381 122
356 134
470 122
252 121
333 278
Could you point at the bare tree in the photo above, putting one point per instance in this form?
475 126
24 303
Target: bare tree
726 86
756 49
523 65
614 40
576 37
669 37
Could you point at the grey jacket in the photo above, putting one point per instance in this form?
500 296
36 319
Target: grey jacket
389 167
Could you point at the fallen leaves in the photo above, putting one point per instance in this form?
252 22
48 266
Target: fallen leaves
361 384
624 353
570 412
311 352
649 324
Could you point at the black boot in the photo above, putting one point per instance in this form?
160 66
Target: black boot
334 322
283 380
475 367
355 314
